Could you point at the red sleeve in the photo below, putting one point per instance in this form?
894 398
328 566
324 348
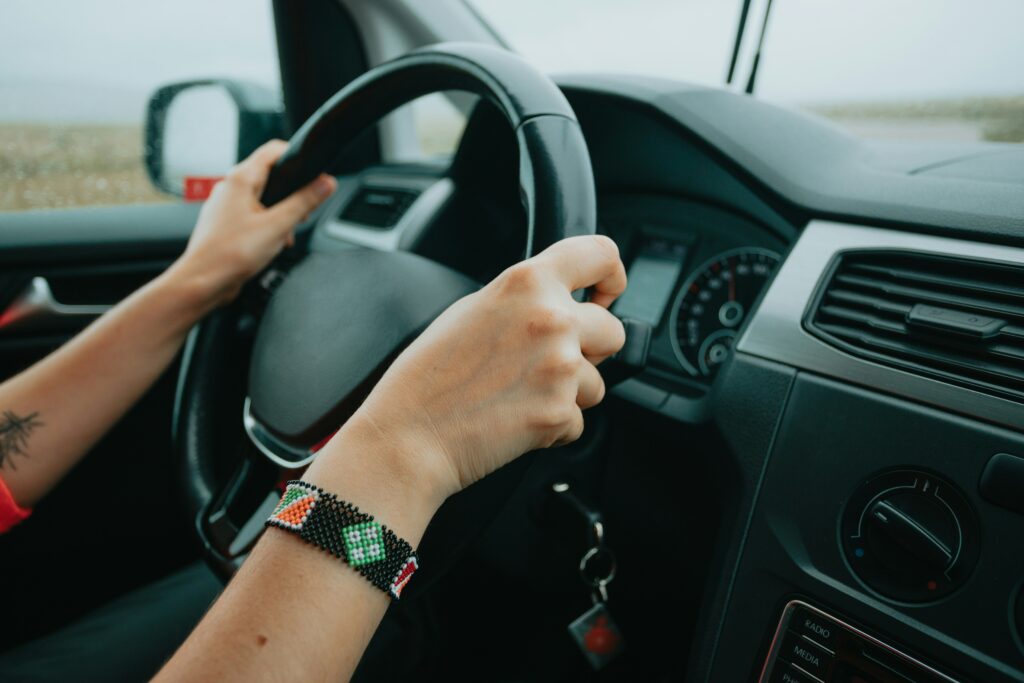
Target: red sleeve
10 512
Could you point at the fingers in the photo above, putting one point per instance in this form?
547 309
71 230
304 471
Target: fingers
253 171
601 333
295 207
588 261
590 392
591 389
573 429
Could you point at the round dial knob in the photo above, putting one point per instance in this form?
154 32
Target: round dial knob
910 536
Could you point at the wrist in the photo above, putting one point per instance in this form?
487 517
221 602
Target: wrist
196 286
178 300
385 474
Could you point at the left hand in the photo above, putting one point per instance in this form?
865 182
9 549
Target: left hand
236 236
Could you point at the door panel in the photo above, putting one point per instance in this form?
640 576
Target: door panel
96 233
80 548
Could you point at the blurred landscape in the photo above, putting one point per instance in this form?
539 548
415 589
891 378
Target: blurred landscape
992 119
56 166
47 166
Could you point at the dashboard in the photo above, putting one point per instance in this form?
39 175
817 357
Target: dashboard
848 321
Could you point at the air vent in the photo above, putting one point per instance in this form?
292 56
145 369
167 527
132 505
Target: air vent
377 207
958 320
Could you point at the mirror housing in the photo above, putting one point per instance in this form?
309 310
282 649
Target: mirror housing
199 129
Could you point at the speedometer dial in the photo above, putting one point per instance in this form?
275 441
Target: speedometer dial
712 304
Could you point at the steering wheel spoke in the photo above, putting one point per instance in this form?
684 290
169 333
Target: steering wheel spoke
232 521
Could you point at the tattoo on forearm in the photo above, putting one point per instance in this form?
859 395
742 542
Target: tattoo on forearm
14 432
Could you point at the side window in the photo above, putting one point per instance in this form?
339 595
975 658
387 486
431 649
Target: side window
428 128
75 78
439 120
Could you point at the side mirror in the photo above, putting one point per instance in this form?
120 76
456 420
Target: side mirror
197 130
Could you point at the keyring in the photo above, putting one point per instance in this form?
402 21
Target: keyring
603 552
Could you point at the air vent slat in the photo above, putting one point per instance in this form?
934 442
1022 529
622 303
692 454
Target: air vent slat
920 295
865 319
992 371
956 320
1011 353
1013 332
844 316
944 282
881 305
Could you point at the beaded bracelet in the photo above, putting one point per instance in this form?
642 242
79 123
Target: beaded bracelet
340 529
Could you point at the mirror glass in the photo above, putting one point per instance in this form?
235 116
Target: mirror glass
200 136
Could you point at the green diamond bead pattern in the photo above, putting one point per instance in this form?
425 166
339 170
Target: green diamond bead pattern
364 543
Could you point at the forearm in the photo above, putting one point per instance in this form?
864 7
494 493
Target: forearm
294 612
54 412
61 406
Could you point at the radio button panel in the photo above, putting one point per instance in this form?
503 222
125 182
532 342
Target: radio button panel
811 645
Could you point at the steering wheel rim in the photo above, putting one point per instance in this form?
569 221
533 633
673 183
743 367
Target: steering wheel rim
557 190
555 175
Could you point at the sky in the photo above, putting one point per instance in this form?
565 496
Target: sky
816 51
98 60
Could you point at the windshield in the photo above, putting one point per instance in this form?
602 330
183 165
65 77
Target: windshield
948 70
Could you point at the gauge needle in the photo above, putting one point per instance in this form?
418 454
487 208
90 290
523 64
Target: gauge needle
732 281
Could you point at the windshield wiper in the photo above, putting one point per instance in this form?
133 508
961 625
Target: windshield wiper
760 44
740 30
744 11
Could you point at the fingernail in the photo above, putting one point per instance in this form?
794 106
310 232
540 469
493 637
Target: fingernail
324 187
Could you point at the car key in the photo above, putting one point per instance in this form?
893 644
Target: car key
594 631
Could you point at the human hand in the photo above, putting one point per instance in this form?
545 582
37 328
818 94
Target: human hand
505 370
236 236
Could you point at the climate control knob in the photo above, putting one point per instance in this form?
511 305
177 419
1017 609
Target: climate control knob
910 536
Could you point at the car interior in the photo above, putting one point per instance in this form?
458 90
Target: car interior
810 462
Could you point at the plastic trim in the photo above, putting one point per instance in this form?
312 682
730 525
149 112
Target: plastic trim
272 447
410 226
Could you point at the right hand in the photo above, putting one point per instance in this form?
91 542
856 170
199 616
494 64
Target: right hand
505 370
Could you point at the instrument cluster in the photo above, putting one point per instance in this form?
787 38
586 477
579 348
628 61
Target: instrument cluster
695 275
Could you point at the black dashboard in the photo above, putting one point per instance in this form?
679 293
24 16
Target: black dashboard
873 527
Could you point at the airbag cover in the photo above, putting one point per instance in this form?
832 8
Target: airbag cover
332 323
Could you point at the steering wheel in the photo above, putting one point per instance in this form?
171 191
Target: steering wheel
332 326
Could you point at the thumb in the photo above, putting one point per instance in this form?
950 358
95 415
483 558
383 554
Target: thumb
296 206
